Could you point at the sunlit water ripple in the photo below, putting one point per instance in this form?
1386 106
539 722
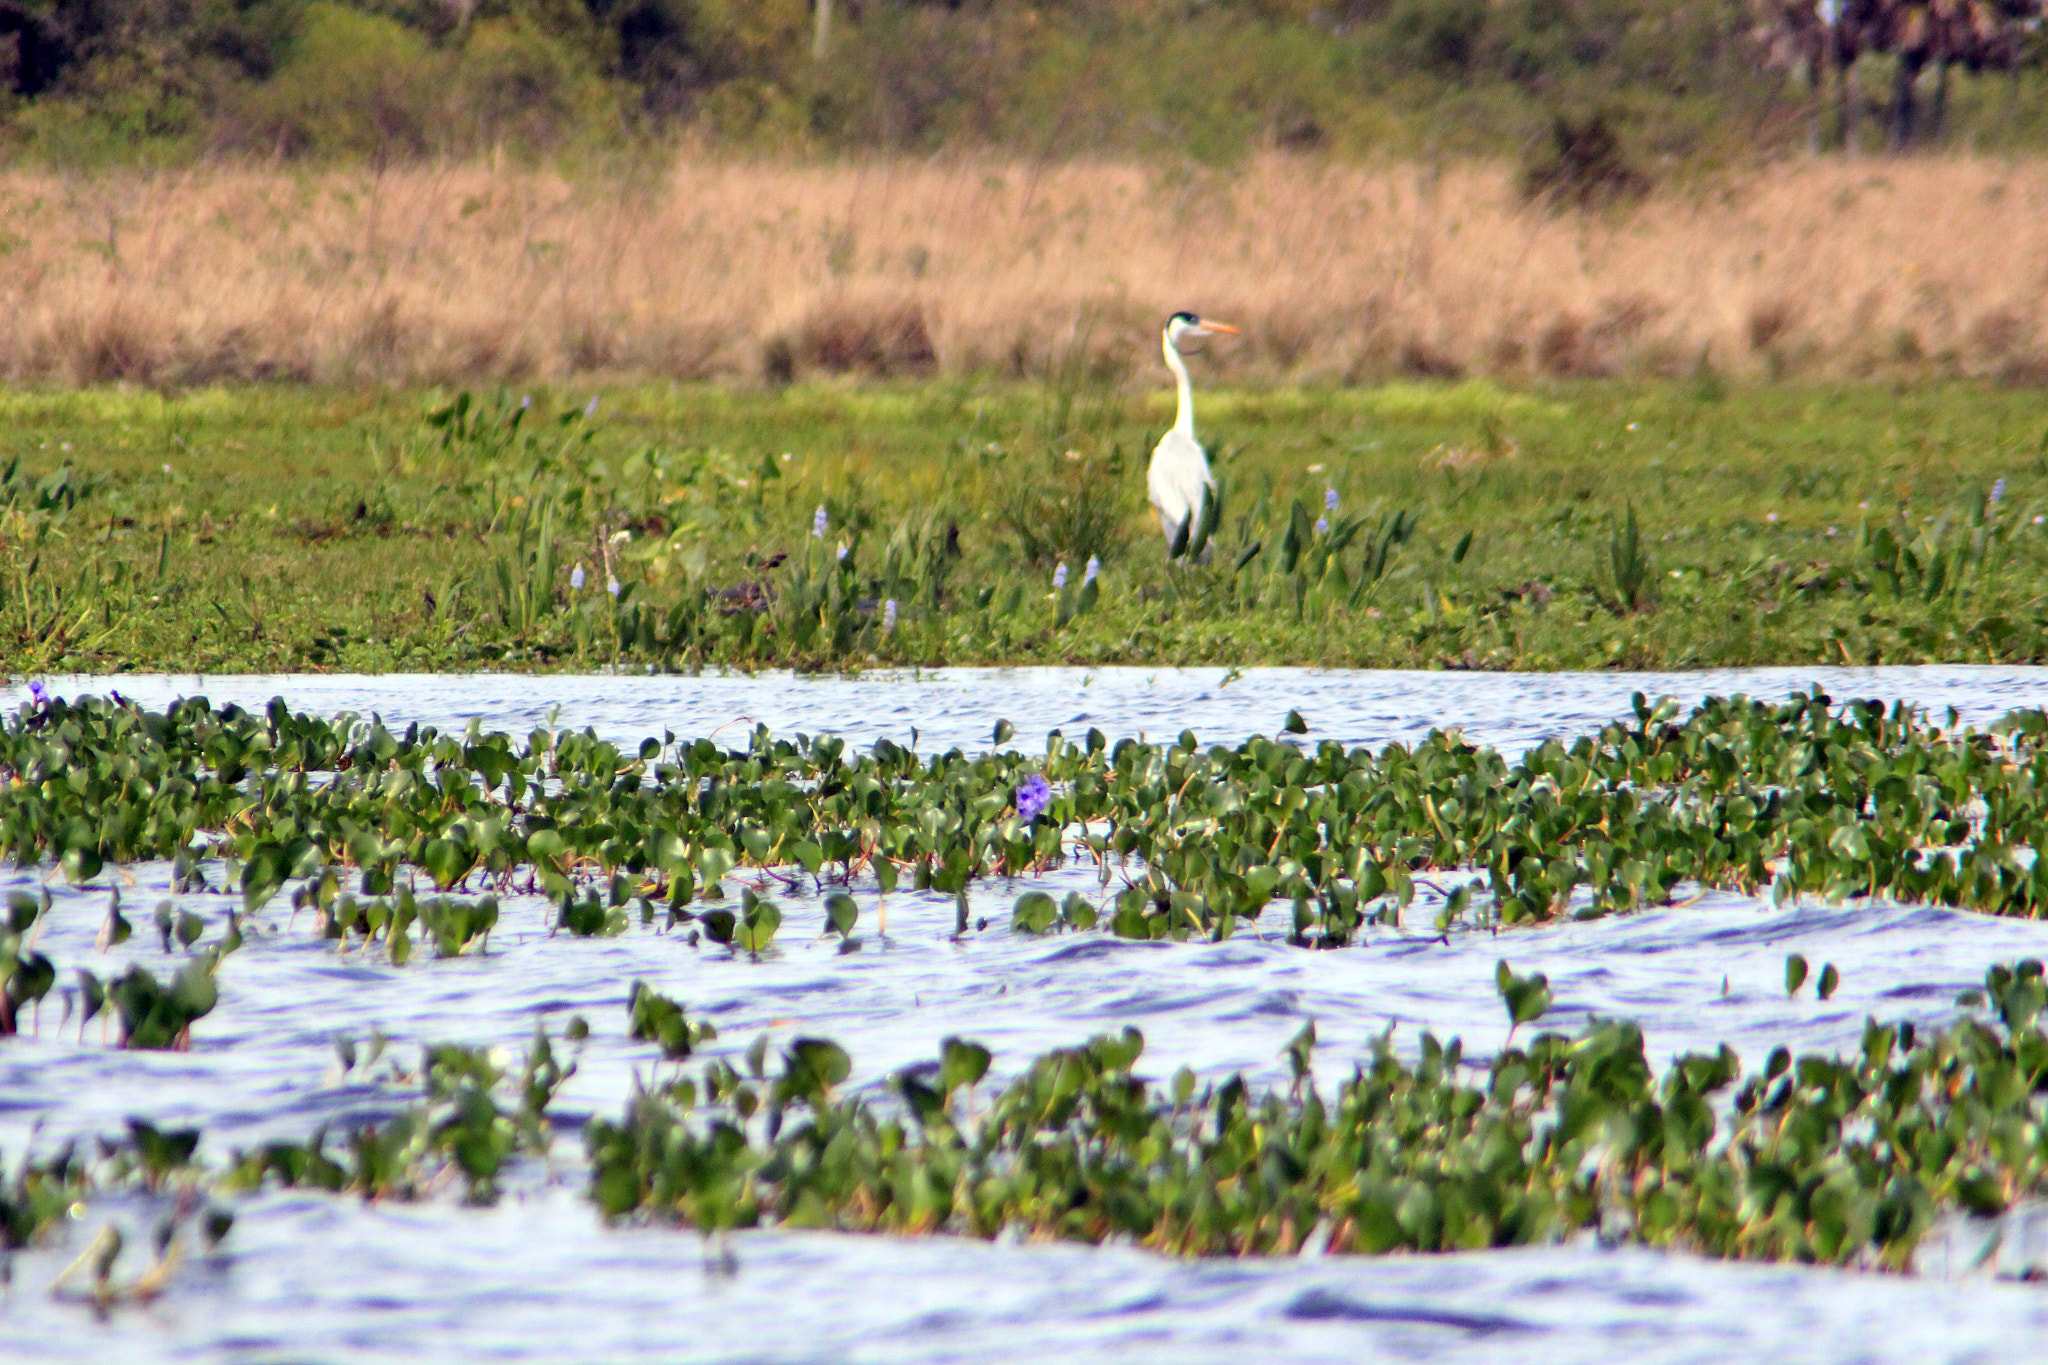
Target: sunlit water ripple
315 1278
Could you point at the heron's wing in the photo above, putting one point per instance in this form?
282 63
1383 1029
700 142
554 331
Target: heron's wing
1178 474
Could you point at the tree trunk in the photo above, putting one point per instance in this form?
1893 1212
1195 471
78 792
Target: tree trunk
1903 103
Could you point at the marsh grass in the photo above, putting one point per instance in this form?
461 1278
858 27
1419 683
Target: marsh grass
470 272
276 529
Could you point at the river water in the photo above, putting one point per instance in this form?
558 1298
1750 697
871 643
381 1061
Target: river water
314 1278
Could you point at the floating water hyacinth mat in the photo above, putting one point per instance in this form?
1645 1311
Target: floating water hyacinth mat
1839 1160
1803 796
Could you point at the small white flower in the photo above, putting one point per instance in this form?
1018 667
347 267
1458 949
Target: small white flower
889 616
818 522
590 408
526 402
1770 516
842 552
1059 576
1322 526
1317 468
1831 530
621 537
1093 567
1998 491
1631 426
612 586
576 580
167 469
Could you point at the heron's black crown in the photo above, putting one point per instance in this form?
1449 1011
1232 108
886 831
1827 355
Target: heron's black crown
1189 318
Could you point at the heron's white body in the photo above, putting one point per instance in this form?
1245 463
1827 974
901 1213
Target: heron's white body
1179 474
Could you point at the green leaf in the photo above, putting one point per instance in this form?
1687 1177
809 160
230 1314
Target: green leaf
1795 974
1526 997
821 1059
1829 980
655 1018
1034 913
841 913
757 925
961 1063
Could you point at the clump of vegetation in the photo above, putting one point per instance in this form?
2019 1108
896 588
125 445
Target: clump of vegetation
1816 1158
475 1118
1844 1161
1802 797
1583 166
345 78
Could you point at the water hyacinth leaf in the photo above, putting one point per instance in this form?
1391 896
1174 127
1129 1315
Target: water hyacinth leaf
1295 725
719 925
189 928
447 862
1526 997
655 1018
1795 973
925 1103
1076 912
1004 731
841 913
961 1062
1829 980
759 919
81 864
1034 913
1300 1052
820 1060
712 864
92 993
160 1150
263 873
22 910
29 979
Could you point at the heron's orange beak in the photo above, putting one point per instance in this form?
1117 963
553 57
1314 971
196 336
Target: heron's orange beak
1208 326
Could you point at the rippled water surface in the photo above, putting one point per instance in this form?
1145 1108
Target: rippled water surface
537 1278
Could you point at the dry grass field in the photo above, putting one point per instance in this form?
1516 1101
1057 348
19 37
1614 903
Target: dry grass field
470 273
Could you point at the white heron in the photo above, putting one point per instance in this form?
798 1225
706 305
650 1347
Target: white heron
1179 477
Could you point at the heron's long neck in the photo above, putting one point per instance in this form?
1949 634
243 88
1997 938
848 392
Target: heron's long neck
1184 421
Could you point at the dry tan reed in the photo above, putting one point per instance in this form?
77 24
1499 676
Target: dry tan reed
470 273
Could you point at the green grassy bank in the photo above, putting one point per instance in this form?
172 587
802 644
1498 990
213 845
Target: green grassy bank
291 528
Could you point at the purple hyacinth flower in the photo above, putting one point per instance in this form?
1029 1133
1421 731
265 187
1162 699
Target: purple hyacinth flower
38 695
1329 499
1034 797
